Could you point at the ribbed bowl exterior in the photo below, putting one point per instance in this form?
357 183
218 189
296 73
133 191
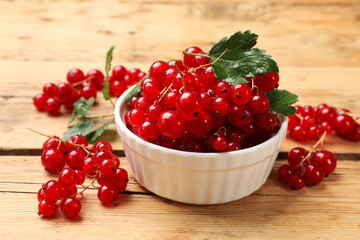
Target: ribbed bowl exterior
197 178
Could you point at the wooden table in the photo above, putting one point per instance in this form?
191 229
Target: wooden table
317 46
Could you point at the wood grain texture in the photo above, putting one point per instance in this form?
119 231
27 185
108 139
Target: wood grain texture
327 211
317 47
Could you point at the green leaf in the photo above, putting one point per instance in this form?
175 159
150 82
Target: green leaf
281 101
240 60
238 40
136 90
97 132
109 57
81 107
82 128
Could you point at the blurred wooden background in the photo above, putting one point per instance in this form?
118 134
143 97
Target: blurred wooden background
317 47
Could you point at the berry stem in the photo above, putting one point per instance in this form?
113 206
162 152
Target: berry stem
208 64
163 93
99 116
81 82
197 54
60 140
182 77
88 186
319 142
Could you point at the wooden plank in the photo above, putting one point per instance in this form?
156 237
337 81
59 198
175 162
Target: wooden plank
296 33
328 211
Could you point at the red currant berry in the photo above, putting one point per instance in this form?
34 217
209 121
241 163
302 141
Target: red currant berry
154 111
326 114
240 94
52 143
219 143
208 76
88 92
80 176
326 160
171 125
119 72
189 105
266 122
117 88
199 126
70 207
49 90
296 155
46 208
39 101
68 191
344 124
143 103
284 172
309 121
89 166
107 167
298 133
149 131
52 190
52 106
221 106
63 92
107 194
77 140
239 115
189 59
102 145
67 177
179 64
102 155
259 104
232 146
40 195
120 177
53 160
75 75
313 175
96 78
327 127
168 76
170 99
116 161
75 158
189 144
137 117
295 182
186 78
267 82
309 110
157 70
133 75
315 132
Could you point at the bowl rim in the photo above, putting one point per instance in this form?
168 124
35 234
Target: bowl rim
119 121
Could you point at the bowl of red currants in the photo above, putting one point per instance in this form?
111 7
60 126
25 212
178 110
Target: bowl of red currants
182 149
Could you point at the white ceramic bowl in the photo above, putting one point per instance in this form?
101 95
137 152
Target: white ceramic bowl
197 178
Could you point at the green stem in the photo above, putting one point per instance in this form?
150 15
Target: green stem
176 60
182 77
197 54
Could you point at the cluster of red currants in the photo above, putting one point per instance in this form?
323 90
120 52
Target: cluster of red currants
305 168
183 106
86 86
98 163
311 122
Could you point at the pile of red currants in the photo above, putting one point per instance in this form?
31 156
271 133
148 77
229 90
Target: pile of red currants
305 168
98 163
183 106
86 86
311 122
